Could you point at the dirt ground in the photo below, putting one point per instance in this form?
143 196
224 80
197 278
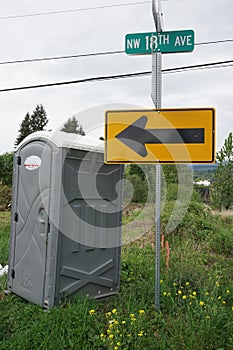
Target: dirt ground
223 213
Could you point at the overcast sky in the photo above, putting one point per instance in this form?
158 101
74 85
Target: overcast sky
100 26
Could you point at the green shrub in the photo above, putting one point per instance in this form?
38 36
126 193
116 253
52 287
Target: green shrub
196 299
171 193
4 236
6 168
5 197
139 188
222 242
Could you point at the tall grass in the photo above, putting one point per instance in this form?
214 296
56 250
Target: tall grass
4 237
196 298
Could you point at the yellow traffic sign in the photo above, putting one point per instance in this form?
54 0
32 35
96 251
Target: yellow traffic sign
160 136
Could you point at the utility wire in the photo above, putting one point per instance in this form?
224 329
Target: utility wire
214 42
222 64
63 57
105 53
72 10
122 76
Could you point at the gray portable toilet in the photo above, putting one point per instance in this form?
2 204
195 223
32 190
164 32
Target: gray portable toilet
66 219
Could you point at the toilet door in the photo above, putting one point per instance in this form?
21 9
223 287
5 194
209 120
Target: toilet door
30 220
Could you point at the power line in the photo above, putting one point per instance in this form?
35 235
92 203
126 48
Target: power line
104 53
73 10
223 64
214 42
63 57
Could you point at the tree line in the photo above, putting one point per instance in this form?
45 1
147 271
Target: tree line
220 189
36 121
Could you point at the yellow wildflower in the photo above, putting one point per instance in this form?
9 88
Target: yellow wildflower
184 297
187 283
194 293
114 311
227 291
164 293
140 334
91 312
179 291
202 303
141 312
123 322
111 336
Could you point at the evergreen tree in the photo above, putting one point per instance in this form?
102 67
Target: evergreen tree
81 130
36 122
38 119
221 190
24 129
73 126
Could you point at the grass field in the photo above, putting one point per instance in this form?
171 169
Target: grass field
196 297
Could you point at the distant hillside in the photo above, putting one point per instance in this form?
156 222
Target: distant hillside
204 167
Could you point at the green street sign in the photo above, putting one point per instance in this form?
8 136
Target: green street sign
165 42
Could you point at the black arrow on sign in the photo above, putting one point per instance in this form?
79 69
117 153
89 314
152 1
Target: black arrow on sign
135 136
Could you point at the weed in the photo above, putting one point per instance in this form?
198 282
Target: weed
196 298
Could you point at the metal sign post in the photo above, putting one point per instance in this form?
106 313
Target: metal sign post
156 97
130 140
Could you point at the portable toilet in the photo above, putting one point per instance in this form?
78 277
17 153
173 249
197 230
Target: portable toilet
66 219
